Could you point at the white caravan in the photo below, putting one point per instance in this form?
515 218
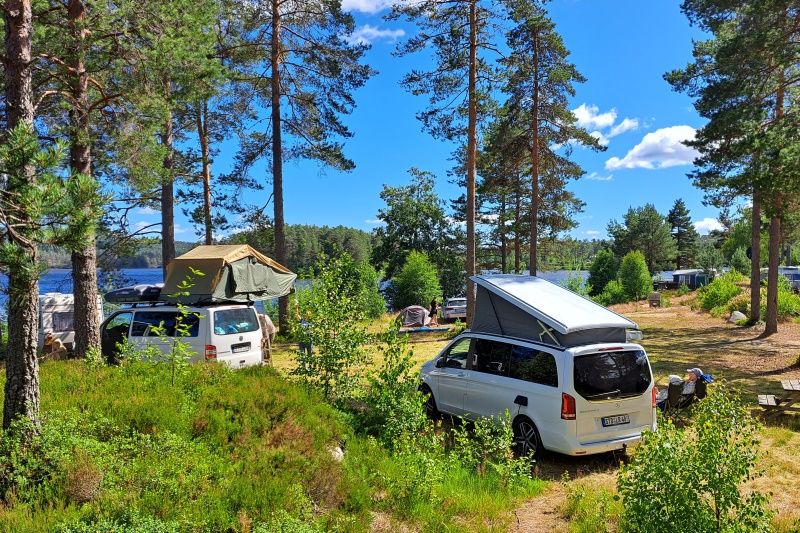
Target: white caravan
57 316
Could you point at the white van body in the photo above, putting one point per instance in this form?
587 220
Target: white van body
57 316
610 384
227 333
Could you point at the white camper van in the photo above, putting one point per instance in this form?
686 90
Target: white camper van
559 363
229 334
57 316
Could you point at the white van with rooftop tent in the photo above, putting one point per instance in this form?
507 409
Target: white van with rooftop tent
561 364
220 312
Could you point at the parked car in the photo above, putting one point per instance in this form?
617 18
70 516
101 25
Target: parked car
560 364
455 308
226 333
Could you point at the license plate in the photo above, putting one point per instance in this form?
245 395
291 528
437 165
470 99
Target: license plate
239 348
615 420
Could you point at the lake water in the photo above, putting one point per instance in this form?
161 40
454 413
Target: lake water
60 280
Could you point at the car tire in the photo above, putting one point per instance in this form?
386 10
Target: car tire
526 437
430 402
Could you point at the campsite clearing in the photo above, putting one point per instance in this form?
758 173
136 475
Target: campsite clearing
676 338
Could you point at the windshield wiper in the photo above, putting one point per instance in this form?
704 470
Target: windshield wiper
609 394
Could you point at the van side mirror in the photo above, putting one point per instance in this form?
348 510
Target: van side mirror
440 362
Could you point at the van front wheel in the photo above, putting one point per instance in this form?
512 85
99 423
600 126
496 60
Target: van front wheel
526 437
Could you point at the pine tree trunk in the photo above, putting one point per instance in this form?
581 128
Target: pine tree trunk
532 265
202 135
502 229
84 262
168 198
22 366
277 159
755 260
471 155
772 276
517 221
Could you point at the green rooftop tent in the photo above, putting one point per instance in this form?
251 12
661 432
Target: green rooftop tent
232 273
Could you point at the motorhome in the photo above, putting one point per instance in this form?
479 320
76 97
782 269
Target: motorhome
57 317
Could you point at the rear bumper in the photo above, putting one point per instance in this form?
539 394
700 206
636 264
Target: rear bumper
571 446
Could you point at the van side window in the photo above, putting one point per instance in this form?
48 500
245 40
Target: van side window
533 365
457 355
491 357
144 321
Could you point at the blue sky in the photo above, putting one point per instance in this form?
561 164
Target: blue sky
623 47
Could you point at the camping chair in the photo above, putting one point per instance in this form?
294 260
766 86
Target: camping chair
700 389
674 398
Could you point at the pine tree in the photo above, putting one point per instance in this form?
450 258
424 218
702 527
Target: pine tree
311 69
742 80
459 32
540 79
645 230
684 234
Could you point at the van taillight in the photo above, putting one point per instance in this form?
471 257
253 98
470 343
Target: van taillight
567 406
655 395
211 352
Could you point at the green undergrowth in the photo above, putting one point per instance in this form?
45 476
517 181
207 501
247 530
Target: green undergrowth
121 449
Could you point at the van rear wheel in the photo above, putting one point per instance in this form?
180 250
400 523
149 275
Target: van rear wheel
526 437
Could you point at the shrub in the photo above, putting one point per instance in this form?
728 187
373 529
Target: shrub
576 283
739 261
417 283
614 293
591 509
788 301
692 476
719 292
333 311
634 276
683 290
602 270
739 303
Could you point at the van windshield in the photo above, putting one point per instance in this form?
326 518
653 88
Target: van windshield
231 321
609 375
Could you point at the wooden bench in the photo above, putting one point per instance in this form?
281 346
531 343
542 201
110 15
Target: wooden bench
777 405
654 299
768 401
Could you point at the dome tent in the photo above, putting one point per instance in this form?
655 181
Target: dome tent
232 273
413 316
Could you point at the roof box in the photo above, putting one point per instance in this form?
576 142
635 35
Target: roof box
531 308
135 294
232 273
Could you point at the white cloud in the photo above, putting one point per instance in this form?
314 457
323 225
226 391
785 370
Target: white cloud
602 139
592 232
366 6
143 224
594 176
707 225
589 116
627 124
603 126
180 230
368 34
375 222
146 211
659 149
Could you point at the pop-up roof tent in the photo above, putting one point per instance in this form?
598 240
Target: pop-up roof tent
233 273
528 307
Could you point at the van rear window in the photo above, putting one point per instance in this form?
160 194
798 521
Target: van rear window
231 321
609 375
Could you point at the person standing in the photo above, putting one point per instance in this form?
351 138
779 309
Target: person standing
268 330
434 313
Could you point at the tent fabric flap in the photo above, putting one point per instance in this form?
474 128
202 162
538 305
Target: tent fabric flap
231 273
531 308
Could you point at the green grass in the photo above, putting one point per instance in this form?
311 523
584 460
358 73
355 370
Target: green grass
121 449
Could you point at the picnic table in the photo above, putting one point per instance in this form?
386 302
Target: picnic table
788 403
